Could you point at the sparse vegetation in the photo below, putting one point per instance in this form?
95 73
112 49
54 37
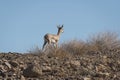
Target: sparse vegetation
98 58
104 42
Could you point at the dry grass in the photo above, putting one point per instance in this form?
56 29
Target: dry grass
103 42
100 43
74 47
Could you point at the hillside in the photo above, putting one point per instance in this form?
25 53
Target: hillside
95 59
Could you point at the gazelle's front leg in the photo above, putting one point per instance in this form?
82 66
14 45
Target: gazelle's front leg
56 45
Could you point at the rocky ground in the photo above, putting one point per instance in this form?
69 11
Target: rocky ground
95 59
58 66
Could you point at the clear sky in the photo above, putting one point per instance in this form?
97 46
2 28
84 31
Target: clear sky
23 23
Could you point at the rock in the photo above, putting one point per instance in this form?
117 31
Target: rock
104 57
87 78
106 74
2 68
8 65
22 77
75 63
32 71
2 73
46 69
22 65
13 63
100 67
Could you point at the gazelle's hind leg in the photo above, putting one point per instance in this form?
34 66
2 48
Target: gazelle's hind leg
45 42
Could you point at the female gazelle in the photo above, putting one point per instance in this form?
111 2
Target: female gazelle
53 38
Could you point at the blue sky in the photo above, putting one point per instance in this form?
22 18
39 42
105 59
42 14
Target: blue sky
23 23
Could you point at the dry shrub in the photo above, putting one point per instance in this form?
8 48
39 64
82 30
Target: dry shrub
74 47
36 50
102 42
60 53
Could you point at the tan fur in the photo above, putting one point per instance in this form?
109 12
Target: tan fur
53 38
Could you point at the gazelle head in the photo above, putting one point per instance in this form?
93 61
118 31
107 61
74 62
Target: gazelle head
60 29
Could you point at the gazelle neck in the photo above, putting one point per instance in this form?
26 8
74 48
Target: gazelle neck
58 33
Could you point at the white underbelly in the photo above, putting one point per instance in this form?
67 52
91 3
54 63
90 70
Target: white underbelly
53 41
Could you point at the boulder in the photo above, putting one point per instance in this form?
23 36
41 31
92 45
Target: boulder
13 63
32 71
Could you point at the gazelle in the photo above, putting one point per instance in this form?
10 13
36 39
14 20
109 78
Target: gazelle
53 38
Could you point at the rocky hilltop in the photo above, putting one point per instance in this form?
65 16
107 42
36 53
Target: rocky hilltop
92 66
98 59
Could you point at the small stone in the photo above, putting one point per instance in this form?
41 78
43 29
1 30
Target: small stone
8 65
87 78
22 77
75 63
46 69
2 68
104 57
